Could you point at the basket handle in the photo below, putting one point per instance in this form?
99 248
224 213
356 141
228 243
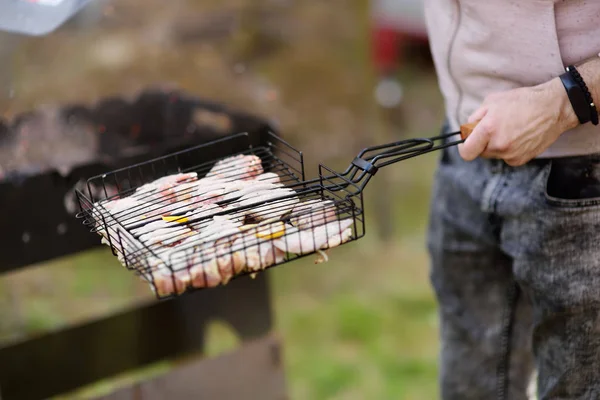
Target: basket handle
372 158
467 129
366 164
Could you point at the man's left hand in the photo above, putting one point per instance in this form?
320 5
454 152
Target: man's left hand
519 124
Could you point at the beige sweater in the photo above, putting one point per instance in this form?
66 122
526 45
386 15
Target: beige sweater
484 46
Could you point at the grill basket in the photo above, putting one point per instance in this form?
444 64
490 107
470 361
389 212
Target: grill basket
183 223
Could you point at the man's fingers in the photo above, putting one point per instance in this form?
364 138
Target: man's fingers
487 153
477 115
475 144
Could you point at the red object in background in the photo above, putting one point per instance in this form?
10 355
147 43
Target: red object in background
385 48
395 23
388 45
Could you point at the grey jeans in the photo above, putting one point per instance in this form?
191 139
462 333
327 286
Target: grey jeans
515 264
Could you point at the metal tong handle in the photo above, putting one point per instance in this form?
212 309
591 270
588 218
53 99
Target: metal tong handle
366 164
374 157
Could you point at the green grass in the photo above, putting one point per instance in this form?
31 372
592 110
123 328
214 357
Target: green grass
363 326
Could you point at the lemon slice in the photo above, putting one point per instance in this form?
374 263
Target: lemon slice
247 227
271 232
174 218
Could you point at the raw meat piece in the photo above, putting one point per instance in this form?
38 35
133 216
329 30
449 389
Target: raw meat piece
167 236
209 184
219 227
165 182
205 271
249 187
168 284
264 195
152 226
211 197
227 264
256 253
269 177
270 209
306 241
274 209
203 211
119 205
313 213
240 167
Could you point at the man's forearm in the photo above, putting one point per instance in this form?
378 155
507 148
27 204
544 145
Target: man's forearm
520 124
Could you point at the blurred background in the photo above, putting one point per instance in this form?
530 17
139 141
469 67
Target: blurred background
333 77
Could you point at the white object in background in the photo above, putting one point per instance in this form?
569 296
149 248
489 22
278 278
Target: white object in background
407 16
46 2
388 93
37 17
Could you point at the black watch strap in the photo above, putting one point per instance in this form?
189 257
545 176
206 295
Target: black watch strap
579 96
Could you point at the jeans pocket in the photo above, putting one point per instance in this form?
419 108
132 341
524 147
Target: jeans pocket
574 182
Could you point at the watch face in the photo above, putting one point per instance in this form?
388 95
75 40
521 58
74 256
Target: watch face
36 17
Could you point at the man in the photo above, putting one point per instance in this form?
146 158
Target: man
514 233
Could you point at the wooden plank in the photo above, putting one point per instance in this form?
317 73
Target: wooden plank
254 371
35 224
62 361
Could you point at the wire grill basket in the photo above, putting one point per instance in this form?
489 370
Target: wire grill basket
183 223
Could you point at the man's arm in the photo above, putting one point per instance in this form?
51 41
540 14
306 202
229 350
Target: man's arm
520 124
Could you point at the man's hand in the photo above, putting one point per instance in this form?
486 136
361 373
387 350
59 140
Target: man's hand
519 124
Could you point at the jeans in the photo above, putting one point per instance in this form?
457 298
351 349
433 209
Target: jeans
515 265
